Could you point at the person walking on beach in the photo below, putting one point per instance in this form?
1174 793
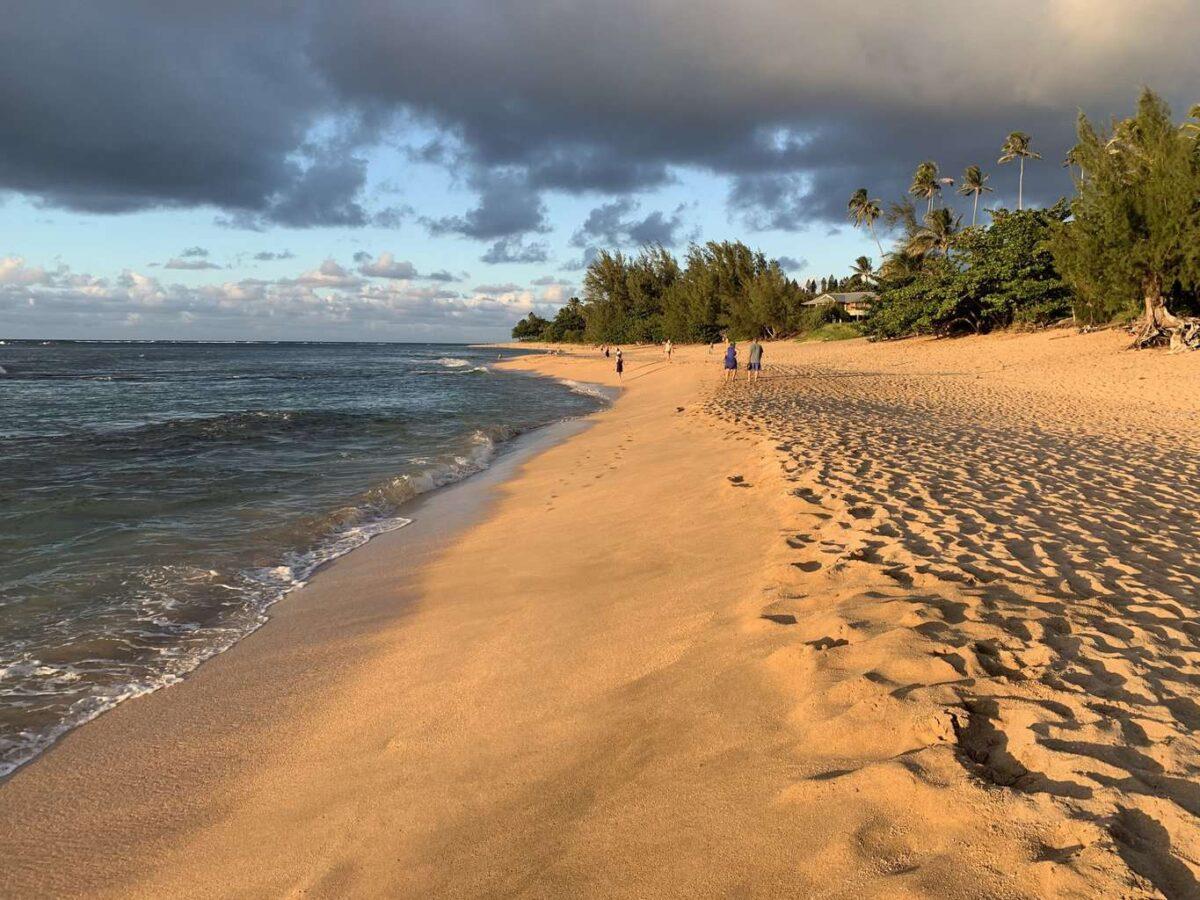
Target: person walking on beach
754 364
668 348
620 365
731 361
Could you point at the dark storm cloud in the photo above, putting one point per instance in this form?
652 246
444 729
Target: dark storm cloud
610 96
792 264
577 265
132 104
507 206
656 228
513 250
614 224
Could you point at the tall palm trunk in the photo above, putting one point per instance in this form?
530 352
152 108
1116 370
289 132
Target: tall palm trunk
975 209
1021 186
871 226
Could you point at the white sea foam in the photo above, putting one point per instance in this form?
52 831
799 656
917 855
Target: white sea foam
259 589
262 588
459 365
587 389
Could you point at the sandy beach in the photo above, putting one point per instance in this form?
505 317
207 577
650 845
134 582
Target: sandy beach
900 620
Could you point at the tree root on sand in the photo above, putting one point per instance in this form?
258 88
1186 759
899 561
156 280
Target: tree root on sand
1182 334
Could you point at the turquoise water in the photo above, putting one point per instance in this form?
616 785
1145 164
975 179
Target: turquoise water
156 498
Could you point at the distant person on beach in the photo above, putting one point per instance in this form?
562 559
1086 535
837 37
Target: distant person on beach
620 365
754 364
668 348
731 361
606 353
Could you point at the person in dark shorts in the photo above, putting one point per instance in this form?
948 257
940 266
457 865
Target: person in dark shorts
754 366
620 364
731 361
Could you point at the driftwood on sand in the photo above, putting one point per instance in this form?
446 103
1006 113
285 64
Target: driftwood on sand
1160 327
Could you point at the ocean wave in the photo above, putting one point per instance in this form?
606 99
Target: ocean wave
587 389
166 603
251 591
456 364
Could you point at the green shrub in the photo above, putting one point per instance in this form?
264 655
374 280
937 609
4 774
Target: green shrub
992 278
834 331
810 318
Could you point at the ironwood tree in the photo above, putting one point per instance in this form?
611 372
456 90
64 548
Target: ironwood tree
1133 238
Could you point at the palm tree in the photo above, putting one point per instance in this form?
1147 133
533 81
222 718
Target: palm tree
974 182
925 183
935 236
902 213
862 271
899 266
864 211
1016 146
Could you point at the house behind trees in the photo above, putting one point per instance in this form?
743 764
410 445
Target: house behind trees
855 304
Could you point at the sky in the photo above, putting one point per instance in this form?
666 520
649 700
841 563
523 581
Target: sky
433 170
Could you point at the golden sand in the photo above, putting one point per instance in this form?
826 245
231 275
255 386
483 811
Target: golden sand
911 620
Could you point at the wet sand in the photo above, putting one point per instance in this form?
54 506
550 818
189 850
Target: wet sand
898 621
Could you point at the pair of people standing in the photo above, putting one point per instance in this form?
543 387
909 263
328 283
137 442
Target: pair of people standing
753 366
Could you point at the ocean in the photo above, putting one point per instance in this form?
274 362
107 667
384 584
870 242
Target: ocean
157 498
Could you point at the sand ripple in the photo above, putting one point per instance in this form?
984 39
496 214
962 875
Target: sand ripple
1025 562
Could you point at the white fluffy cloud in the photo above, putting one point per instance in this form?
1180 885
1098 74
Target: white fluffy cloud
327 302
13 271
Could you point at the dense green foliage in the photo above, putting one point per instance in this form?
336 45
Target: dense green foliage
982 280
977 279
719 288
566 326
530 328
1134 237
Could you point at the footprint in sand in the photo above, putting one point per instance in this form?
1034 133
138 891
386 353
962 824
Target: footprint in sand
779 618
828 643
811 566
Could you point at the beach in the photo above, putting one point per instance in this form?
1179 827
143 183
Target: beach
900 620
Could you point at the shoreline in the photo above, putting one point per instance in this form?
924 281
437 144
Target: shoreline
434 518
522 445
723 639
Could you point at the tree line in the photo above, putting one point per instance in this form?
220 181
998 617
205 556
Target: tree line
1126 244
718 288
